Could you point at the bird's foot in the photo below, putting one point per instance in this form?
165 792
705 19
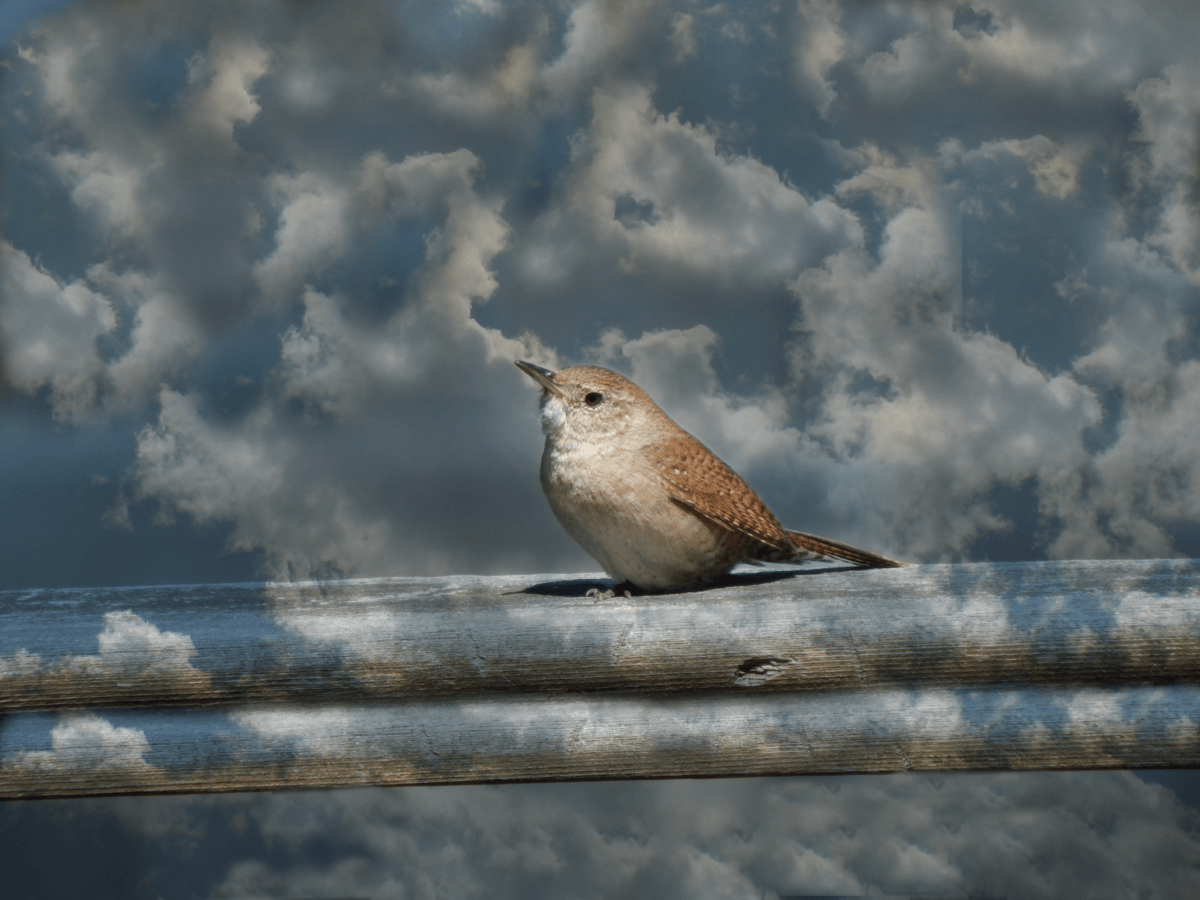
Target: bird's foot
622 589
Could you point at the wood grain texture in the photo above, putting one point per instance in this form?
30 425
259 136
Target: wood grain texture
517 678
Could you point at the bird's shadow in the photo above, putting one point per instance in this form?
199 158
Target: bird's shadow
578 587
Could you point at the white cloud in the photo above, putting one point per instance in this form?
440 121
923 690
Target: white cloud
1169 112
133 655
820 47
339 364
1055 168
220 467
162 201
599 35
274 485
276 478
1018 48
496 98
927 47
52 335
1133 494
83 744
320 215
1030 835
1126 501
272 177
313 228
165 336
659 193
19 664
223 77
58 62
132 647
106 185
683 35
48 333
230 474
946 413
1018 44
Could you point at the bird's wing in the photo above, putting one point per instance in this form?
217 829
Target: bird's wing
698 480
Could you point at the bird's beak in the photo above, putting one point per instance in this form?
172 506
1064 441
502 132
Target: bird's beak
544 377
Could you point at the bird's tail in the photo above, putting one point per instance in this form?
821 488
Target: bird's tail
828 547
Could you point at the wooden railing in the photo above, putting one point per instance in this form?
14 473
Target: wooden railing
1071 665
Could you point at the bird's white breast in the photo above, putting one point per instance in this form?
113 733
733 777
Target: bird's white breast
622 515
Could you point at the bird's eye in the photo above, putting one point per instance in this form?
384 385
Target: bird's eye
593 398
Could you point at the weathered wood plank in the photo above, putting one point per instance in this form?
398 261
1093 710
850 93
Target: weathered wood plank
358 640
452 680
540 738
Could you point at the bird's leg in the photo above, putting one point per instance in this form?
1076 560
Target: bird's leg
622 589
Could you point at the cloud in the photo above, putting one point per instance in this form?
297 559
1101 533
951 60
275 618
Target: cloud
105 186
820 48
313 227
917 411
84 744
205 243
683 35
331 359
157 190
131 646
1168 110
1127 500
320 214
19 664
355 245
165 336
658 193
101 345
239 475
598 36
1055 168
1169 115
1022 45
1134 494
1030 835
223 78
494 98
134 657
273 474
48 333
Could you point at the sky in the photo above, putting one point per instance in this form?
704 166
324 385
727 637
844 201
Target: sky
927 274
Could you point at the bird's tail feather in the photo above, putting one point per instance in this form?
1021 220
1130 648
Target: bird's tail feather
829 547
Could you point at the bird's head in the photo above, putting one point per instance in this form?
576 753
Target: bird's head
588 403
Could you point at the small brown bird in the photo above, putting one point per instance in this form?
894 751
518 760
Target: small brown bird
653 505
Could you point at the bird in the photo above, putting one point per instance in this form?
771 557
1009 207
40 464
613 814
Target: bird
649 502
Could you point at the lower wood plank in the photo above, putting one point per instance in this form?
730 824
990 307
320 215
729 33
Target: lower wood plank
560 738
